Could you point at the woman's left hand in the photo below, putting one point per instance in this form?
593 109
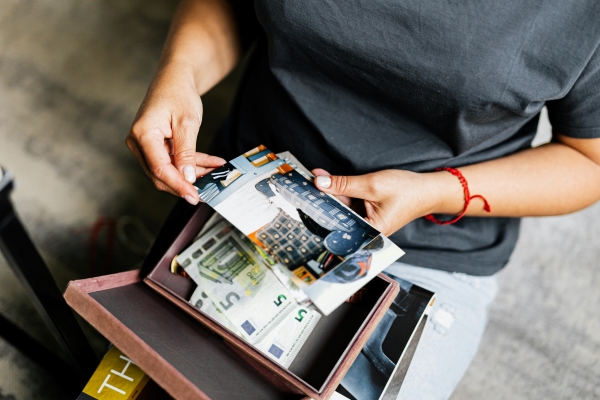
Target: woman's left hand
393 198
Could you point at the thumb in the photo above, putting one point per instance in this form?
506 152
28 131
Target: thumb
350 186
185 132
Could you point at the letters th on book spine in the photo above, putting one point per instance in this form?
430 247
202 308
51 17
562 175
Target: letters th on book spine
117 377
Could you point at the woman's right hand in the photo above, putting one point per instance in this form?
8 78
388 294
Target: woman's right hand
164 132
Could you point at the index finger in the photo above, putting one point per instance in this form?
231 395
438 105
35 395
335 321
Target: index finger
160 166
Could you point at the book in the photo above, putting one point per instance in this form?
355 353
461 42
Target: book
119 378
330 251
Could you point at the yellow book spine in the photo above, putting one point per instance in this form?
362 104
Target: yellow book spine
117 377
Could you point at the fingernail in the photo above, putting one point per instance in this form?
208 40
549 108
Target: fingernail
324 181
189 173
190 199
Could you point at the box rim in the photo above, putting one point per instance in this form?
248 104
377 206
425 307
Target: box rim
372 319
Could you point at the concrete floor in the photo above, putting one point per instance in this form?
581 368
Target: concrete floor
72 75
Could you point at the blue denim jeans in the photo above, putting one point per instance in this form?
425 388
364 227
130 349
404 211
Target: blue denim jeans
448 343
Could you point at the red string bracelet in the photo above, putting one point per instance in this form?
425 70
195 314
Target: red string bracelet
468 198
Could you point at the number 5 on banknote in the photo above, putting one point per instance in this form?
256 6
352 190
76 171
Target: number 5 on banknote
300 316
229 302
279 300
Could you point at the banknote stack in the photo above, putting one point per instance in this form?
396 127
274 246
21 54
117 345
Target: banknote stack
246 291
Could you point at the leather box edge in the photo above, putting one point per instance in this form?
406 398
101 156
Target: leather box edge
77 297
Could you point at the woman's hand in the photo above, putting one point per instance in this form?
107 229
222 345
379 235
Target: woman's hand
393 198
163 135
202 47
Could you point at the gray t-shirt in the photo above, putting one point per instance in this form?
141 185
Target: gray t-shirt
361 86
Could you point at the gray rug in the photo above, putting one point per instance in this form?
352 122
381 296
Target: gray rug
72 75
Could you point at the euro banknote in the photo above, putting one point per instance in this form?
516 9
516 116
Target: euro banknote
238 283
285 341
202 302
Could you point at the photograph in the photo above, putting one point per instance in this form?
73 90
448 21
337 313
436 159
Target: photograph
329 249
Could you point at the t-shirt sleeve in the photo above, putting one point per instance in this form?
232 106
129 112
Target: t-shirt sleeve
578 113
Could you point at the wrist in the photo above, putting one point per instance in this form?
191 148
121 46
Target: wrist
201 76
176 67
173 78
444 193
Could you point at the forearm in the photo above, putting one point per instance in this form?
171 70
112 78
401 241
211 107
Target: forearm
557 178
549 180
203 43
